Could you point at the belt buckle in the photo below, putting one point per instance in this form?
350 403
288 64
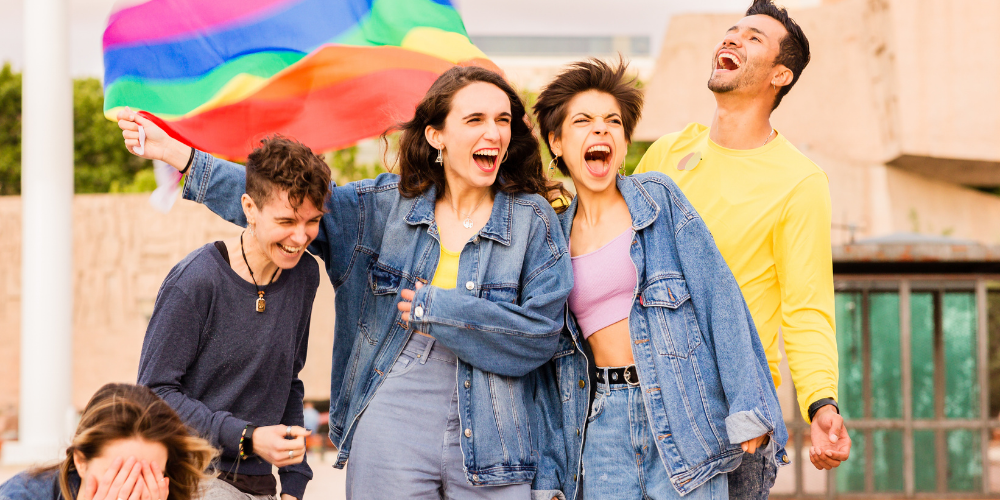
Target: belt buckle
628 378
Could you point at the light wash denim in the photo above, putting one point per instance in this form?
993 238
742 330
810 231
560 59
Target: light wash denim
502 321
620 459
408 441
705 380
31 485
217 489
755 476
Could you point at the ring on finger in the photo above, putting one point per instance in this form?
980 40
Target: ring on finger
291 454
288 432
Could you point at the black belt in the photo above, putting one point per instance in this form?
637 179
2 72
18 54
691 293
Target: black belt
624 375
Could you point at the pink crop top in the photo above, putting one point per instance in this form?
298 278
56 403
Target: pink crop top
603 285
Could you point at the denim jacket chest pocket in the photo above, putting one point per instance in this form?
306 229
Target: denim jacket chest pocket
670 316
385 283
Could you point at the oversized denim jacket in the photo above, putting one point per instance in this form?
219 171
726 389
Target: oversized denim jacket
502 321
704 377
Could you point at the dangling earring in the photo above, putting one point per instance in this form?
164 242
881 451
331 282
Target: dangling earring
552 169
440 158
621 170
774 88
505 155
253 229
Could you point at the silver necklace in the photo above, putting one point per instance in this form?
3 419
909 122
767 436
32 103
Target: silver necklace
468 217
768 138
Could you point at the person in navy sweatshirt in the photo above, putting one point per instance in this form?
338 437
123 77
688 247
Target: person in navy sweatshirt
230 327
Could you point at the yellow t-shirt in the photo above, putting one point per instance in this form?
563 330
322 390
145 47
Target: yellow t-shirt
769 212
446 274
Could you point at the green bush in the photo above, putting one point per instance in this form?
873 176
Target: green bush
100 162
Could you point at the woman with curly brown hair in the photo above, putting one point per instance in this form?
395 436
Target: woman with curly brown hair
129 445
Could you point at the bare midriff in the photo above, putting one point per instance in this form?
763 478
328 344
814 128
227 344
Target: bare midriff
612 345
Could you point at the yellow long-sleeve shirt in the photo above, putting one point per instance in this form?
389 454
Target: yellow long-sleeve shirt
769 212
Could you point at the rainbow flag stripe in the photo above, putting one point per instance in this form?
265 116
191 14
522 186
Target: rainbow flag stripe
221 74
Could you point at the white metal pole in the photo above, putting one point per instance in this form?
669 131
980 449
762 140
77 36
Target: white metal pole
47 235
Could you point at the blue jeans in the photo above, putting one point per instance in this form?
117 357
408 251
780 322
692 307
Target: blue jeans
620 459
407 441
755 476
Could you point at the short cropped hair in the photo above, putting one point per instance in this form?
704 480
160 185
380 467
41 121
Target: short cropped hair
793 51
592 74
280 163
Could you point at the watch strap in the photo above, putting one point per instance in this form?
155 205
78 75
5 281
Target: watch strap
819 403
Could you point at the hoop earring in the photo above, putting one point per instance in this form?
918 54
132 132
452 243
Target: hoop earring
440 158
554 161
506 154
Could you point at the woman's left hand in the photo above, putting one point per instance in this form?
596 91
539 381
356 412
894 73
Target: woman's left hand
757 442
407 303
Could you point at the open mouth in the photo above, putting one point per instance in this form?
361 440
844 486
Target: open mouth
727 61
289 250
598 159
486 159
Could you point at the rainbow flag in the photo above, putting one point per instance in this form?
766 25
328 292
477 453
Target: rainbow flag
221 74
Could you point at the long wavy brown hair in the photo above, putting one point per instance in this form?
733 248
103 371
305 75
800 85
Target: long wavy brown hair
126 411
522 171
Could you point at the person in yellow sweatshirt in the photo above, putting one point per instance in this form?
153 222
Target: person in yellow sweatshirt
768 208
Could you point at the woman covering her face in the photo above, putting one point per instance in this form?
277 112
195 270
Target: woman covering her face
129 445
682 387
451 280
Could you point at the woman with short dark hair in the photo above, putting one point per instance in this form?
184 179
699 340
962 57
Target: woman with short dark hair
680 379
129 445
451 280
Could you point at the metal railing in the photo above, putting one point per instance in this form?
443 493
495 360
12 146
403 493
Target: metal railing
866 426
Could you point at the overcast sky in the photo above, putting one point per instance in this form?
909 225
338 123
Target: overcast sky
482 17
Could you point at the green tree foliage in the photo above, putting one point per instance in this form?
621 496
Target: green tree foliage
10 131
101 163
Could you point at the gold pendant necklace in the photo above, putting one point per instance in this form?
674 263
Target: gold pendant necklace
260 303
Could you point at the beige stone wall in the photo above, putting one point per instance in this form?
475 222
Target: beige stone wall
122 251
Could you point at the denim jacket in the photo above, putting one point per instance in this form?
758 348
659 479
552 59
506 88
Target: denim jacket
705 379
38 485
502 321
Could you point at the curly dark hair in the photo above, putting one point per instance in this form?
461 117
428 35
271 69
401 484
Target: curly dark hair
592 74
793 50
286 164
521 173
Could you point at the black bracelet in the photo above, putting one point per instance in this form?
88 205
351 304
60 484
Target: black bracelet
819 403
190 160
248 440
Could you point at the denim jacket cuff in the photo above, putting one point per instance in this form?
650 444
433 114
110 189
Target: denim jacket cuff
196 180
421 307
547 495
745 425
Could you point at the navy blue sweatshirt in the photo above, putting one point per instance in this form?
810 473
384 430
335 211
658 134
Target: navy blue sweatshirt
221 365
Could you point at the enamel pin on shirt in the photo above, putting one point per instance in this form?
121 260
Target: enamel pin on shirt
689 161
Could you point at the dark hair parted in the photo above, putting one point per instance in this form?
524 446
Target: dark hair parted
288 165
126 411
582 76
520 173
793 52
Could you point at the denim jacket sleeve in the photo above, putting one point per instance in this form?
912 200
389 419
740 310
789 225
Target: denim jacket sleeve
727 325
520 336
219 185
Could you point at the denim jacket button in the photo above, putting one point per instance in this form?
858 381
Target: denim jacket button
582 384
418 312
469 285
784 458
468 433
577 431
467 384
475 477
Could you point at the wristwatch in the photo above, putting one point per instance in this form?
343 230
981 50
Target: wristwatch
819 403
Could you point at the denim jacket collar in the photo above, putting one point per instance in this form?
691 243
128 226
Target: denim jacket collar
498 228
641 206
